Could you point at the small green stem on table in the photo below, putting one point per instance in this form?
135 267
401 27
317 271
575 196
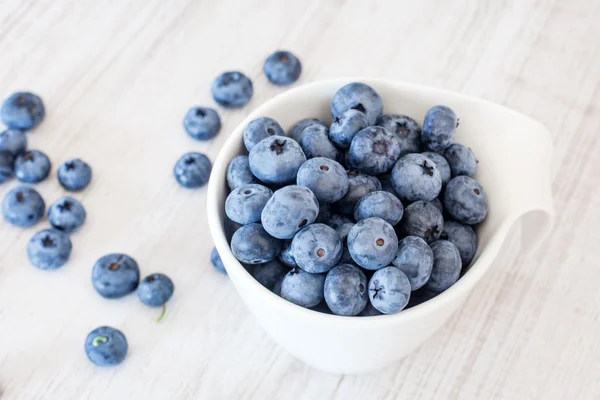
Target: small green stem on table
162 314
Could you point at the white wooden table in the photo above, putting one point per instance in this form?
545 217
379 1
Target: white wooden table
117 78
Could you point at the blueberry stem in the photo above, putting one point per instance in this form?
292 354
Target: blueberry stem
162 314
99 339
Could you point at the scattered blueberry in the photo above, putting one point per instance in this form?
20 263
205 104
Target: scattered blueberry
441 164
192 170
14 141
372 243
202 123
326 178
66 214
317 248
239 173
406 129
270 274
374 151
232 89
215 260
303 288
245 204
342 232
379 204
461 160
23 206
415 177
251 244
49 249
22 110
106 346
7 166
296 130
438 128
33 166
282 68
415 259
315 143
465 200
389 290
115 275
346 126
463 237
74 175
155 290
359 185
446 266
422 219
290 209
276 160
260 129
345 290
360 97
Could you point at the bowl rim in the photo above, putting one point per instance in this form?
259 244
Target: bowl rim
218 180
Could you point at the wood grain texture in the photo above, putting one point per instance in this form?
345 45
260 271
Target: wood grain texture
117 78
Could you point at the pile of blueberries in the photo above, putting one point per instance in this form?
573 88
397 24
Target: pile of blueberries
357 216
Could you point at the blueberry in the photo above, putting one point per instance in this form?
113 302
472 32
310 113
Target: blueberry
115 275
282 68
303 288
437 203
441 164
232 89
326 178
317 248
461 160
422 219
155 290
346 126
465 200
415 259
49 249
290 209
369 311
66 214
245 204
359 185
22 110
415 177
438 128
106 346
446 266
463 237
276 160
372 243
286 256
379 204
7 166
345 290
33 166
315 143
360 97
14 141
74 175
192 170
295 132
251 244
215 260
374 151
202 123
23 206
270 274
406 129
389 290
239 173
342 232
260 129
336 220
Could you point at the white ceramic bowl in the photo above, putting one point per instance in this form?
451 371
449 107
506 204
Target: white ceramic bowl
514 154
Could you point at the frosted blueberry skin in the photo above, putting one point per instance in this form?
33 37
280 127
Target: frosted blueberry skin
374 151
461 160
270 274
259 129
22 110
415 259
276 160
315 143
295 132
326 178
286 256
202 123
342 232
359 185
115 275
239 173
192 170
463 237
441 164
438 128
372 243
379 204
215 260
245 204
303 288
49 249
422 219
14 141
317 248
106 346
345 127
465 200
23 207
360 97
415 177
74 175
406 129
232 89
389 290
7 166
289 209
155 290
33 166
446 266
345 290
437 203
251 244
282 68
66 214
